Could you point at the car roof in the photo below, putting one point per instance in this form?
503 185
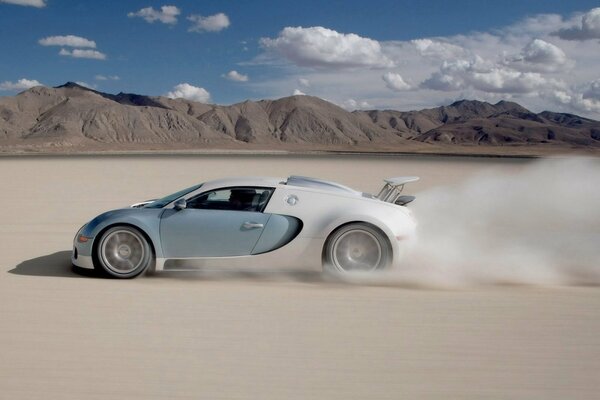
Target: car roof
260 181
293 180
304 181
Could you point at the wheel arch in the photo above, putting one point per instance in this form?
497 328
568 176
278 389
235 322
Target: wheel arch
357 221
112 225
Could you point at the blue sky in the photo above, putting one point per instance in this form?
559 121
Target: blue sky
359 54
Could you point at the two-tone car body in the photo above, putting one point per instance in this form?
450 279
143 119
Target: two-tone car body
296 222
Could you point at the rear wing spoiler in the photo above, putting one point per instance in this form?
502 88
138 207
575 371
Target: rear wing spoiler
391 191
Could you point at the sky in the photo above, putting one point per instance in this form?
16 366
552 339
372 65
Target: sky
385 54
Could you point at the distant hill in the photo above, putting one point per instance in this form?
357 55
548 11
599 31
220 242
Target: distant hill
74 118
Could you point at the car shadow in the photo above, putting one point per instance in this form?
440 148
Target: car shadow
245 275
59 265
53 265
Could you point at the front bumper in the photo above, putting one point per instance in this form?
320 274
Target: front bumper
82 261
81 256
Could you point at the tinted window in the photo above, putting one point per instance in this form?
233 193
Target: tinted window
235 199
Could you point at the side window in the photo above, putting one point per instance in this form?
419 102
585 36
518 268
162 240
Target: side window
235 199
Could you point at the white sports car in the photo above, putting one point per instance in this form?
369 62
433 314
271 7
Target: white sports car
297 222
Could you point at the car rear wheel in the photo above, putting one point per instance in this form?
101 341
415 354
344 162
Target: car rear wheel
123 252
356 247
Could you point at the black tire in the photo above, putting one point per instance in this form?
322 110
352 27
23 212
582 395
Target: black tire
356 247
123 252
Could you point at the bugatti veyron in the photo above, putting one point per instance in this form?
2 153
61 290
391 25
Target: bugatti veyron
297 222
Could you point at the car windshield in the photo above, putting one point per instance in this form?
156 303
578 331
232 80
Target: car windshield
160 203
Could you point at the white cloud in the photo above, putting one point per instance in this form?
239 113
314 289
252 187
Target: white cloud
351 105
524 62
189 92
212 23
506 81
30 3
68 40
322 47
80 53
166 14
485 76
236 76
298 92
535 26
592 91
450 76
584 101
21 84
539 55
395 82
82 47
438 49
107 78
587 27
303 82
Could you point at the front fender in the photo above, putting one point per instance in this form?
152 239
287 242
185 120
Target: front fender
145 219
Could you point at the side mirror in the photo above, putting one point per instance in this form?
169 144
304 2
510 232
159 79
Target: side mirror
180 204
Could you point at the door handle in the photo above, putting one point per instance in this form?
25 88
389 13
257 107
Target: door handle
252 225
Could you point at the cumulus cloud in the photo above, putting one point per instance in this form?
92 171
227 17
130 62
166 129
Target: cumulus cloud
21 84
539 55
81 53
212 23
68 41
395 82
303 82
586 100
322 47
30 3
525 62
535 26
236 76
189 92
592 91
298 92
487 77
438 49
166 14
107 78
587 27
352 104
449 77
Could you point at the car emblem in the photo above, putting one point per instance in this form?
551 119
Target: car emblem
292 199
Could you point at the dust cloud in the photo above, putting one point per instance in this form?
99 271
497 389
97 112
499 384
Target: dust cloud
540 226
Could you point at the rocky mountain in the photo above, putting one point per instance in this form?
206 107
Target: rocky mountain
72 117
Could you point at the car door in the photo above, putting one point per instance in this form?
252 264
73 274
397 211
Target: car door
219 223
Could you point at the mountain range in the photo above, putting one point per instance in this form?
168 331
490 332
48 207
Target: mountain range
72 118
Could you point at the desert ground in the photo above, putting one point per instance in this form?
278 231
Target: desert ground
246 335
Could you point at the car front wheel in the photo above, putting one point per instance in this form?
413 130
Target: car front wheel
356 247
123 252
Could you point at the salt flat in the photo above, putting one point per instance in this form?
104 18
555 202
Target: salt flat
243 336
